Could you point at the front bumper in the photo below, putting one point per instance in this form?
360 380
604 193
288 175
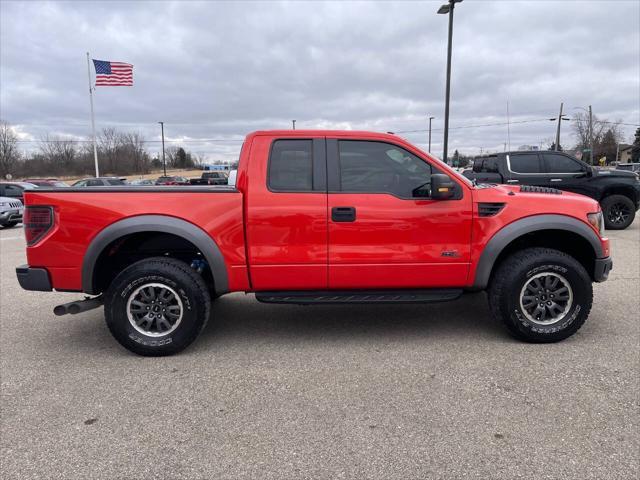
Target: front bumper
602 268
36 279
10 216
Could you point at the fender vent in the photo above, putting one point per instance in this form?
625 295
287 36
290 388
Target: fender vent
489 209
532 189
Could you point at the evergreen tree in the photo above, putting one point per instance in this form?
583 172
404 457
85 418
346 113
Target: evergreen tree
635 150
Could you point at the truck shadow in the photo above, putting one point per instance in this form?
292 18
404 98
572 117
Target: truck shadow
239 317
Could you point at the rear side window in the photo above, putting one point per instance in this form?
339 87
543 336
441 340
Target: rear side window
561 164
115 182
291 166
525 163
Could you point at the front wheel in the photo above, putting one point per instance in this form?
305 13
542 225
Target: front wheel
619 212
10 224
157 306
541 295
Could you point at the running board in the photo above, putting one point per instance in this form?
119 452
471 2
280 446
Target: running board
360 296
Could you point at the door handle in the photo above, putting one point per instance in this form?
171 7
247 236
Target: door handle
343 214
556 179
513 181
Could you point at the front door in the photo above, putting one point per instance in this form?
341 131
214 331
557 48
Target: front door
286 212
567 173
384 232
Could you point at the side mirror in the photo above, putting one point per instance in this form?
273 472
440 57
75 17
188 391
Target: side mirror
442 187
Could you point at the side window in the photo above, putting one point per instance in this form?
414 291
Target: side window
525 163
12 191
94 183
291 166
115 182
377 167
490 165
561 164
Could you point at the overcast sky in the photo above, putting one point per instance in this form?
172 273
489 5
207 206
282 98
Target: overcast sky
218 70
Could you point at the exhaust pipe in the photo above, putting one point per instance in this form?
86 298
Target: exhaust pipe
78 306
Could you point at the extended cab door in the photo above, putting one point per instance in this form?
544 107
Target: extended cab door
381 233
525 168
286 214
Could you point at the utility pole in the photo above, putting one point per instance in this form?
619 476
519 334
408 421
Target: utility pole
430 118
558 128
164 162
294 124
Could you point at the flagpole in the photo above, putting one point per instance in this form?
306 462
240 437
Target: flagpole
93 120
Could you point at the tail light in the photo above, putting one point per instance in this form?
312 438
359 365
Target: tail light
37 222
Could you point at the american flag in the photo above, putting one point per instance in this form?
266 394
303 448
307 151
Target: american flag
113 74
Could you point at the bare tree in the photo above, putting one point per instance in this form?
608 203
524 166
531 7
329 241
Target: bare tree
9 154
600 130
59 154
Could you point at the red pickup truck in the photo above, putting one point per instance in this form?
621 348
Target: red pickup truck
317 217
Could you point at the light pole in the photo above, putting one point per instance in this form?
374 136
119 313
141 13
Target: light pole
444 9
164 162
293 122
430 118
590 112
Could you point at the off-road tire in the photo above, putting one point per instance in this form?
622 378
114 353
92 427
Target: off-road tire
617 201
509 280
178 276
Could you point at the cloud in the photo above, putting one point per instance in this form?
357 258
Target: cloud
217 70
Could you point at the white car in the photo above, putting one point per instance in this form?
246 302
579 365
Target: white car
11 210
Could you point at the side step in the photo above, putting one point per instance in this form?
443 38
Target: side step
360 296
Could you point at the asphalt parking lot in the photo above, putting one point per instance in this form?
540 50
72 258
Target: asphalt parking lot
284 392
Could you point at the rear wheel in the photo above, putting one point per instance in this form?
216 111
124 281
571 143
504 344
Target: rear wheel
541 295
157 306
619 212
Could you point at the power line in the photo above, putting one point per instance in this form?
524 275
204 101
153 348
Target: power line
478 125
195 140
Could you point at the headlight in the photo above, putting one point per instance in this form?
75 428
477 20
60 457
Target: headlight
597 221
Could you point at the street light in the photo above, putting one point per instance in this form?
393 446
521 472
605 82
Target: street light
430 118
164 162
448 9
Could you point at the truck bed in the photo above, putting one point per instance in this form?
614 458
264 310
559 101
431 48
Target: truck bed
82 213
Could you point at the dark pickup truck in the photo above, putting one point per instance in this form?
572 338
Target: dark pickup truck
210 178
617 191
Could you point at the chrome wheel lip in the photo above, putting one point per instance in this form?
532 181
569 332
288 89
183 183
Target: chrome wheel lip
552 318
158 314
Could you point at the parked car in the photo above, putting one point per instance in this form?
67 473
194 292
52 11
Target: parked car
210 178
100 182
337 217
15 189
10 212
629 167
46 182
142 182
172 180
617 191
